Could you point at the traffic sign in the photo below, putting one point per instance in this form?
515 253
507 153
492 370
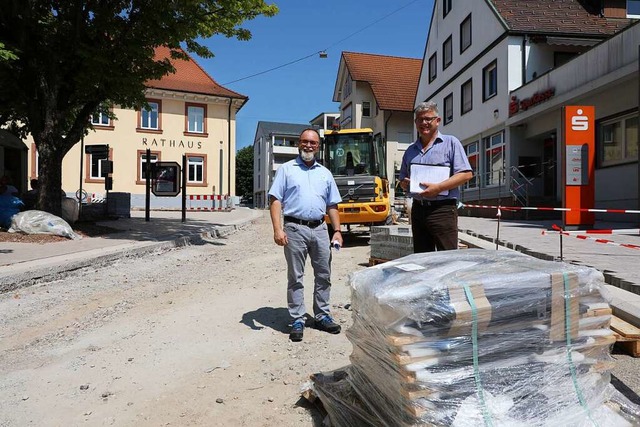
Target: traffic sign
165 179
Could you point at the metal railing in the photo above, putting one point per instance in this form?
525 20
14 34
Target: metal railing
519 187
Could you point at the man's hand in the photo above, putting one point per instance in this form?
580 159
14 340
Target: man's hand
280 237
337 237
432 189
405 184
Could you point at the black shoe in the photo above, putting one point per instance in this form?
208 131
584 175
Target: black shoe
297 330
327 324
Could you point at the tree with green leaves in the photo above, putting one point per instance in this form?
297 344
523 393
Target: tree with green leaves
62 60
244 171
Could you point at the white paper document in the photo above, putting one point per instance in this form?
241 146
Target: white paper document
427 173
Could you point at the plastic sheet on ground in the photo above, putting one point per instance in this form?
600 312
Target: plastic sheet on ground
40 222
477 338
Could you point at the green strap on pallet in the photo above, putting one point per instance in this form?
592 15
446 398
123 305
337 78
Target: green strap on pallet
476 364
567 332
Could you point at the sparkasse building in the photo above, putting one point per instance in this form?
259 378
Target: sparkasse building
501 72
189 114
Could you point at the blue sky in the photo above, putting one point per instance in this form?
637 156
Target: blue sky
299 92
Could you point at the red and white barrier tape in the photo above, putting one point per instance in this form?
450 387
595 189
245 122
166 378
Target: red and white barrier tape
208 197
558 230
215 199
542 208
630 231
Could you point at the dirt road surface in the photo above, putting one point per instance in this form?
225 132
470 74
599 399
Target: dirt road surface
193 336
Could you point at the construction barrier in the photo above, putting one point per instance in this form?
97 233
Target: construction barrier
578 235
531 208
209 203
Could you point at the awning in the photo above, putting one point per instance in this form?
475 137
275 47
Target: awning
9 140
567 41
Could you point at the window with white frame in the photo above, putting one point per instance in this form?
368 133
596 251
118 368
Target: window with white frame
465 34
633 9
618 140
448 109
433 67
447 52
195 170
446 7
196 118
490 81
473 154
466 97
96 164
494 160
366 109
142 164
150 116
100 119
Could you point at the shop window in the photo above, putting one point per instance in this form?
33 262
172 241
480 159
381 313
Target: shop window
619 140
494 160
473 155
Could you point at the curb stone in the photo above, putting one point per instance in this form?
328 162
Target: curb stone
32 276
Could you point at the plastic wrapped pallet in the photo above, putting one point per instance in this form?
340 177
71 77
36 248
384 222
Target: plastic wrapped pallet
475 337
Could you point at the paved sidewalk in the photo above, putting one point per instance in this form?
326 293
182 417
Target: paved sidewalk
22 262
25 263
618 264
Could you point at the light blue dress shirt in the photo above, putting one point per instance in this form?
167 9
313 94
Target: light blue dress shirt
305 192
445 151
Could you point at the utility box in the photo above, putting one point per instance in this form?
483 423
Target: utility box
119 205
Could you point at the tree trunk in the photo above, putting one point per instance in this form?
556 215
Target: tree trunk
50 175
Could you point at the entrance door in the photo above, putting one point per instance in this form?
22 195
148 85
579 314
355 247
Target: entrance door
550 168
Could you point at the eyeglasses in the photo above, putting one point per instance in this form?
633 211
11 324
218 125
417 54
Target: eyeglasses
426 119
309 142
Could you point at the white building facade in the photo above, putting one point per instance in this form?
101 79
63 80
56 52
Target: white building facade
501 71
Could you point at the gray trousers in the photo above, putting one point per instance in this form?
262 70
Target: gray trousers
314 242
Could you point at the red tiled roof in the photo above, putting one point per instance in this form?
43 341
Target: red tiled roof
189 77
566 17
393 79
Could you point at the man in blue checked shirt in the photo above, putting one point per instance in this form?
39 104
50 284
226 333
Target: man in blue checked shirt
304 191
434 213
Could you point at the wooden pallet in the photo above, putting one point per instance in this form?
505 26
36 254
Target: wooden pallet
627 336
375 261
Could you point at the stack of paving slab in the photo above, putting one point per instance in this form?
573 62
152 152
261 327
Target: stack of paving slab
390 241
476 337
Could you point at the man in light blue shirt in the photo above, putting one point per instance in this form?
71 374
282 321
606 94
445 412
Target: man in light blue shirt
305 191
434 212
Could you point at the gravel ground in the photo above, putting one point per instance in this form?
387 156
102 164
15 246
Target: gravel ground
192 336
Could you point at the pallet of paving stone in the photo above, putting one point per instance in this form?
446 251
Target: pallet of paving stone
627 336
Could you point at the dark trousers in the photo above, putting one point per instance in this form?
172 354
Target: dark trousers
434 227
